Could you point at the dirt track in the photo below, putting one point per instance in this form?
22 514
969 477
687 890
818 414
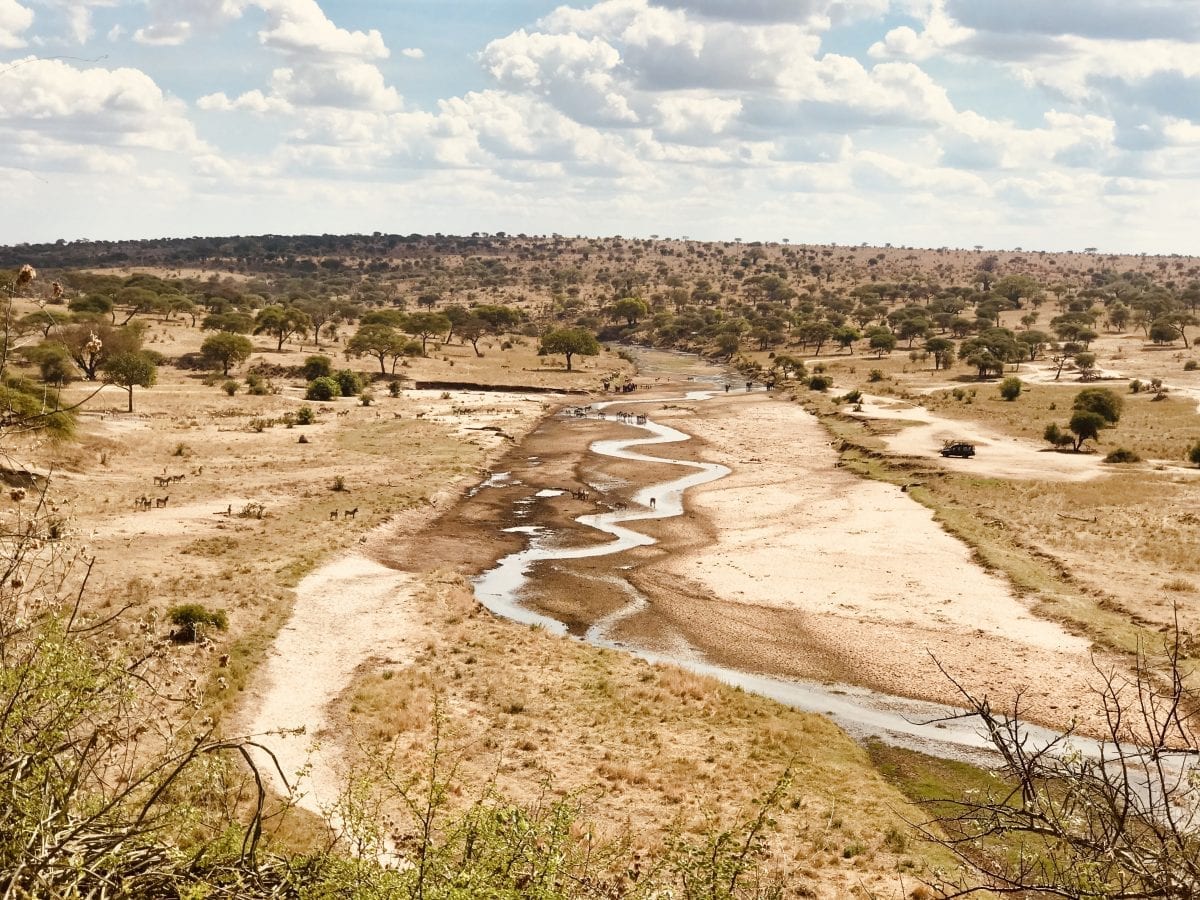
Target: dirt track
999 456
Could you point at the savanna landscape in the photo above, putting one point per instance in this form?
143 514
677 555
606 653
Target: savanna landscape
252 484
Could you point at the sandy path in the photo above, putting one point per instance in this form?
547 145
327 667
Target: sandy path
812 571
346 613
997 455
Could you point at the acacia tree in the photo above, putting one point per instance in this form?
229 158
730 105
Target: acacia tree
226 349
379 341
1175 322
499 318
845 336
92 344
281 322
1086 426
569 342
425 325
139 300
942 351
471 330
129 370
630 309
322 314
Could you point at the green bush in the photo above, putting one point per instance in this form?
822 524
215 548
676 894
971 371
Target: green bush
317 367
192 619
1056 436
855 396
1010 388
1194 454
257 385
231 386
349 383
305 415
875 375
820 383
394 388
1100 401
326 388
53 361
1121 455
1191 365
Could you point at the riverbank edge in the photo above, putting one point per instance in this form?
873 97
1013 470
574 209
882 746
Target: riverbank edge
932 860
1031 572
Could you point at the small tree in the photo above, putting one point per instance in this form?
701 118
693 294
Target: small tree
845 336
471 330
192 618
377 340
942 351
425 325
317 366
881 341
53 361
326 388
1102 401
1057 437
348 382
1010 388
226 350
281 322
630 309
569 341
129 370
1086 426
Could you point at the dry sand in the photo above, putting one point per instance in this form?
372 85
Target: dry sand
812 571
348 613
997 455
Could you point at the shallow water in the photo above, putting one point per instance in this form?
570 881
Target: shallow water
863 713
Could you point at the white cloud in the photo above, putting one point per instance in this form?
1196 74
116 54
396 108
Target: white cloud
93 107
170 34
77 15
695 119
252 101
1115 19
577 74
351 85
300 26
819 12
15 19
325 65
619 113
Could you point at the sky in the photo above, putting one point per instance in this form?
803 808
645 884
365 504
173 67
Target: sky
1040 124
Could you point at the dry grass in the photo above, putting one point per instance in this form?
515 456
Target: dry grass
1089 553
651 747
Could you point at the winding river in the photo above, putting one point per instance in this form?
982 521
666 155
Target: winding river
863 713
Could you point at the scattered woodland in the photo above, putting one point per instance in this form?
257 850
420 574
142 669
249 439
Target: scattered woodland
120 778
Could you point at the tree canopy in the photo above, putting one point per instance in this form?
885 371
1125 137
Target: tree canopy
129 370
226 349
569 342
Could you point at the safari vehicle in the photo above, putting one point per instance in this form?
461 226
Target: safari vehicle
959 448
